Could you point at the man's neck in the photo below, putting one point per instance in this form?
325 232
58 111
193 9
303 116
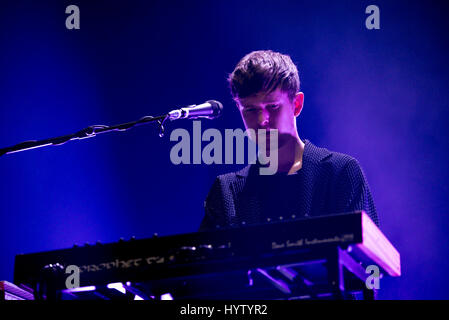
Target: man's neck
290 156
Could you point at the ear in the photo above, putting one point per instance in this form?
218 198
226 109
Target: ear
299 103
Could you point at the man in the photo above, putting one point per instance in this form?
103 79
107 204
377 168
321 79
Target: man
310 181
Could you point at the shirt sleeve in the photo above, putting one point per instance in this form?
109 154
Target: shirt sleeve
213 208
353 192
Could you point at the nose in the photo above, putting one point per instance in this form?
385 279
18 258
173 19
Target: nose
264 118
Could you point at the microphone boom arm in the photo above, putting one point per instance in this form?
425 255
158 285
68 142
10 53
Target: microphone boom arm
88 132
210 110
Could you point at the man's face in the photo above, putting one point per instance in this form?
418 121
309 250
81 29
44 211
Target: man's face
273 110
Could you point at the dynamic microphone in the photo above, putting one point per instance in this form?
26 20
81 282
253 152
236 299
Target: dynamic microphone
211 109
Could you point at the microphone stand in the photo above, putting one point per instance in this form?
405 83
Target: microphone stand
88 132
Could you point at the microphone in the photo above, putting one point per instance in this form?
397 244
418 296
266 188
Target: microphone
211 109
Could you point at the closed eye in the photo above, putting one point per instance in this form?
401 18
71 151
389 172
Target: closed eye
251 109
273 106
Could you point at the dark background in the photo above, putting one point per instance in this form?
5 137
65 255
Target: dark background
378 95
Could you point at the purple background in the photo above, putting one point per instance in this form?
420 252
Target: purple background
378 95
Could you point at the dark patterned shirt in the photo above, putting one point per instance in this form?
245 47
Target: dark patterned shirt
327 183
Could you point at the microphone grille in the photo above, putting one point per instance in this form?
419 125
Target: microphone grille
217 107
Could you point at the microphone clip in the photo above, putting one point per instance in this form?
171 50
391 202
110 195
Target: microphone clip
180 113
